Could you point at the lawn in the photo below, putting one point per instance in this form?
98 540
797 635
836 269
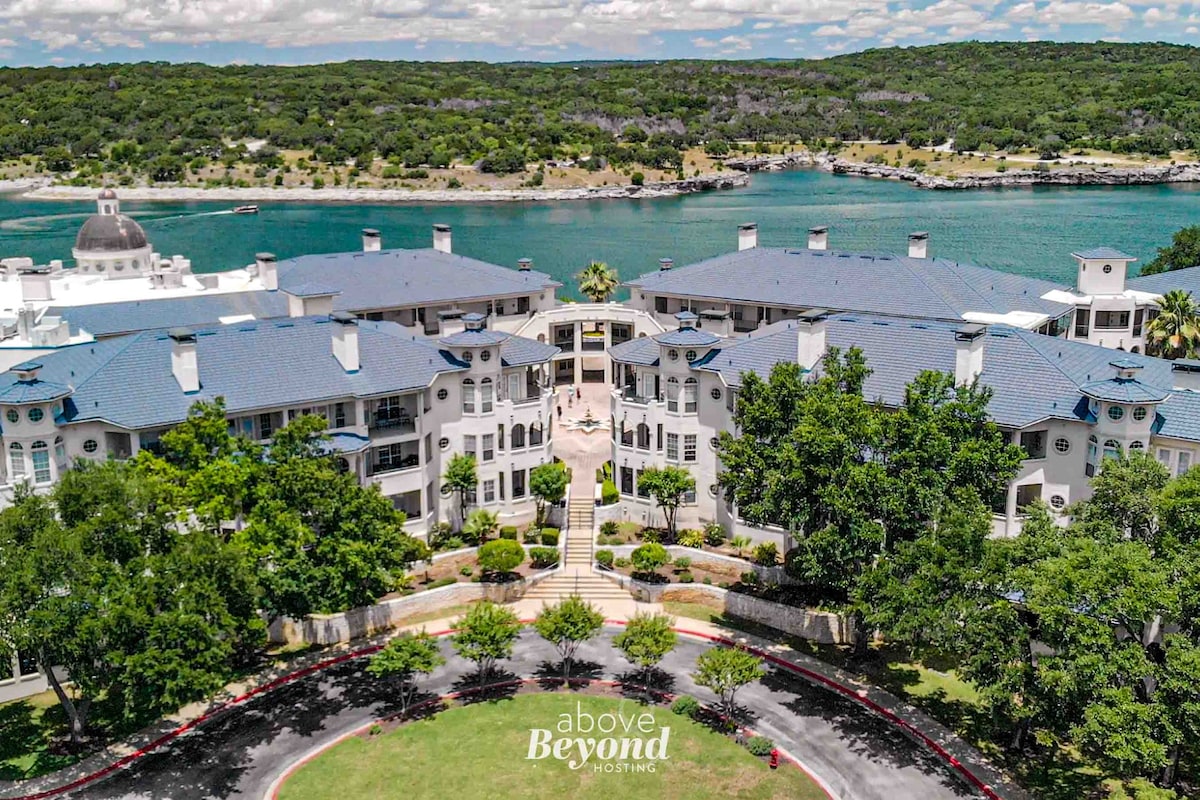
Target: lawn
479 750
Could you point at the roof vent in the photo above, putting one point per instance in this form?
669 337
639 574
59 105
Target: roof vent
818 237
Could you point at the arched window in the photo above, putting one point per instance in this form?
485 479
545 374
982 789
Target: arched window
643 436
535 434
468 393
1112 448
16 462
518 436
485 395
41 462
60 455
689 396
672 394
1093 456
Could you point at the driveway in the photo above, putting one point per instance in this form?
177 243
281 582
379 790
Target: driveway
858 755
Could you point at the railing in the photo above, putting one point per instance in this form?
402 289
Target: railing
567 347
593 345
403 424
406 463
533 394
629 395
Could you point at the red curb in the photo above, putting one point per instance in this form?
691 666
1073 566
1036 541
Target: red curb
846 691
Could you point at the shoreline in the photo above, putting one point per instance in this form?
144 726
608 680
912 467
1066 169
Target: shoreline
42 189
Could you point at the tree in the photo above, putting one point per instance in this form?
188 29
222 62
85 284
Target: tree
646 640
668 485
568 624
1183 252
725 670
461 478
481 525
598 281
1174 333
485 635
403 659
501 556
650 557
548 485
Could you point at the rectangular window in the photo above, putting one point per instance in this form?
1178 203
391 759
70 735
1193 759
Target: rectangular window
428 447
1034 444
641 490
489 492
489 446
1139 317
468 397
660 437
689 447
626 480
1027 494
339 415
1083 317
1112 319
16 464
1185 461
522 305
26 663
690 389
500 484
689 497
500 437
469 446
41 465
266 425
672 447
485 396
518 483
660 305
1164 457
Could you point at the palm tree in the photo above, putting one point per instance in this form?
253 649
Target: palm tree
598 281
1175 332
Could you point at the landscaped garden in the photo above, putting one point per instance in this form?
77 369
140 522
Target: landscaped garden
411 760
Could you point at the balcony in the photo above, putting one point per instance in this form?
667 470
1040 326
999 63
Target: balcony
394 458
566 345
629 395
394 423
592 341
396 414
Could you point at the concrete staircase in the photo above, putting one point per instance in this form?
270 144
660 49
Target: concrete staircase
577 576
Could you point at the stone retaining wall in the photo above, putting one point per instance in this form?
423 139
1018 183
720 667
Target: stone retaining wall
817 626
701 557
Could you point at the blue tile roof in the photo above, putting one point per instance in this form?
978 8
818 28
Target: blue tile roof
312 290
109 319
128 380
870 283
342 442
687 337
393 278
1187 279
515 351
1180 416
1124 390
473 338
38 391
1033 377
1103 252
642 351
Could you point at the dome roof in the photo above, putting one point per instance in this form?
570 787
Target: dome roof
110 233
108 194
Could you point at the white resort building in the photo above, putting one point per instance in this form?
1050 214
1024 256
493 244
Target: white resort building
413 356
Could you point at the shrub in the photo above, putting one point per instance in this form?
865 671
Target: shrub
439 534
652 535
750 578
714 534
509 532
440 582
318 183
501 555
637 179
622 562
707 581
532 535
455 543
610 527
415 174
649 557
686 577
683 562
686 706
550 537
766 554
604 558
609 493
454 183
690 537
759 746
465 570
376 729
543 557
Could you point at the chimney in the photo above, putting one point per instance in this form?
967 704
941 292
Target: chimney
27 371
811 329
968 353
1185 374
918 245
372 242
665 264
35 284
687 320
525 264
441 238
747 236
267 273
818 237
345 340
183 359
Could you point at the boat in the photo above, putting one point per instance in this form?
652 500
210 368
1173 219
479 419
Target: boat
245 210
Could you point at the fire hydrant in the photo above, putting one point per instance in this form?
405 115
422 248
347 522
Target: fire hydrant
774 762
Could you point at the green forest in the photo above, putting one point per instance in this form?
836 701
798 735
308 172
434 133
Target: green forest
158 117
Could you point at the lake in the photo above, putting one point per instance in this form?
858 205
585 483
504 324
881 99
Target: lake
1026 230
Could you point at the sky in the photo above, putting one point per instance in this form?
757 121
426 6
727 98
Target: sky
48 32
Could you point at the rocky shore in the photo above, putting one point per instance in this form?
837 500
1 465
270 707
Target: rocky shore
1067 176
699 183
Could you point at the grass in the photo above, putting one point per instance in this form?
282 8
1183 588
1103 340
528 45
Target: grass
479 751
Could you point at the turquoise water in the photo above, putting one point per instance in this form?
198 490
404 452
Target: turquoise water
1030 231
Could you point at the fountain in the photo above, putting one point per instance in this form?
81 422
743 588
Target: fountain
587 423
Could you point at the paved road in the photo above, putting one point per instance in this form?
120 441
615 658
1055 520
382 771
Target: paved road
238 756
